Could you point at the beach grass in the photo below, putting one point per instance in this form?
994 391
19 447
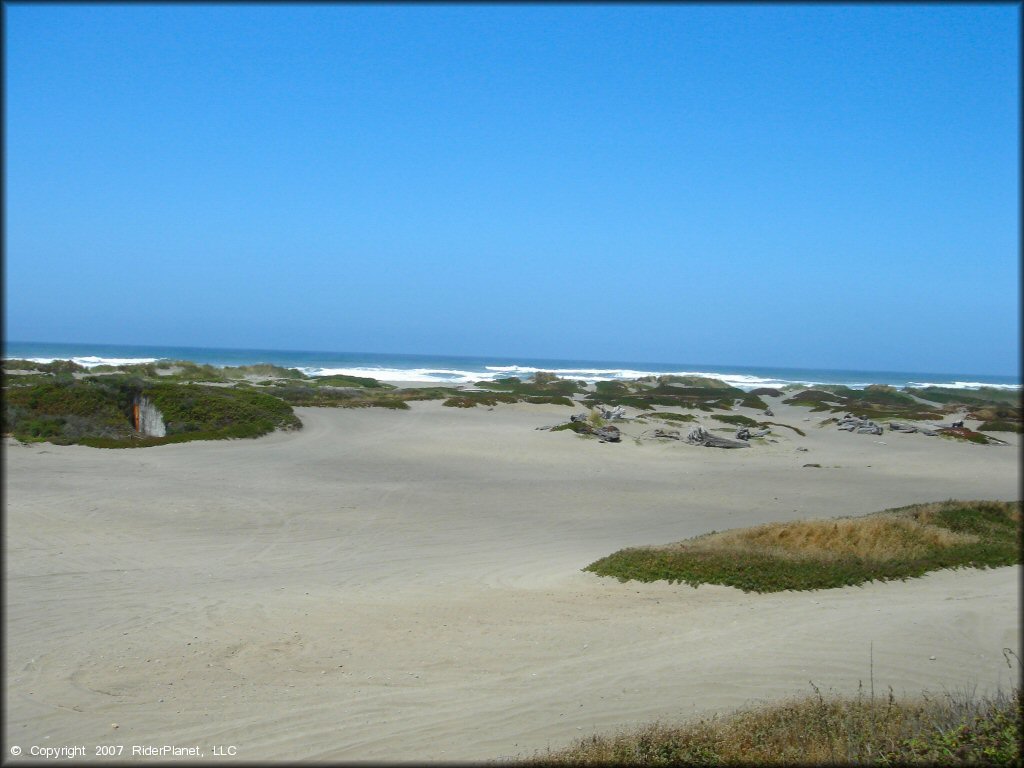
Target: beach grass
954 728
819 554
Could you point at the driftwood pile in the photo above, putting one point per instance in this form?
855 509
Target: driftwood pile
612 414
744 433
860 425
896 426
700 436
867 427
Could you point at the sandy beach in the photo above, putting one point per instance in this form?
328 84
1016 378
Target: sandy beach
406 585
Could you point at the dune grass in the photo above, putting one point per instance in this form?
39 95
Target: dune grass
956 728
819 554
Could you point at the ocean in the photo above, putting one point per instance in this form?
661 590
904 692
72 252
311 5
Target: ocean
443 369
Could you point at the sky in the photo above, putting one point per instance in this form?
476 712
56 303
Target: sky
792 185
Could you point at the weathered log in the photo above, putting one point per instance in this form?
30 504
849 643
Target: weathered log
671 434
870 429
700 436
608 434
896 426
742 433
612 414
768 412
697 435
713 441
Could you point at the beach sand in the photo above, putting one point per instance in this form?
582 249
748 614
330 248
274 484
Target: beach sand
406 585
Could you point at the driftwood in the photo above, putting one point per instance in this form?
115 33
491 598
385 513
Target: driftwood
768 412
896 426
612 414
608 434
859 424
700 436
671 434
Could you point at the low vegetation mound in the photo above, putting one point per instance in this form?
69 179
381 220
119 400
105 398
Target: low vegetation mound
953 729
669 416
307 395
541 384
766 392
98 411
818 554
542 388
876 401
694 392
57 366
969 435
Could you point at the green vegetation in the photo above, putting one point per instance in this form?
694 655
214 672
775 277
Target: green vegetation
68 410
954 729
744 421
304 394
694 392
735 418
777 424
980 396
340 380
57 366
876 401
579 427
962 433
98 411
893 544
472 399
542 383
542 388
1001 426
666 415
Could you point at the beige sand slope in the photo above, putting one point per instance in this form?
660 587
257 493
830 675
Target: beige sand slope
406 585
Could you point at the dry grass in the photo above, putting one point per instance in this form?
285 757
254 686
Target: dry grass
955 728
881 537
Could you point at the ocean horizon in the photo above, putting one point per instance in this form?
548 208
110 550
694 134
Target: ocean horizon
457 369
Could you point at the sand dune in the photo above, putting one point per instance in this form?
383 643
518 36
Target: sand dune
391 585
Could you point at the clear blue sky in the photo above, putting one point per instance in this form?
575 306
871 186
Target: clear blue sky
802 185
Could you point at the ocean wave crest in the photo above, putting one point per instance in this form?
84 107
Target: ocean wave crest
91 361
962 385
